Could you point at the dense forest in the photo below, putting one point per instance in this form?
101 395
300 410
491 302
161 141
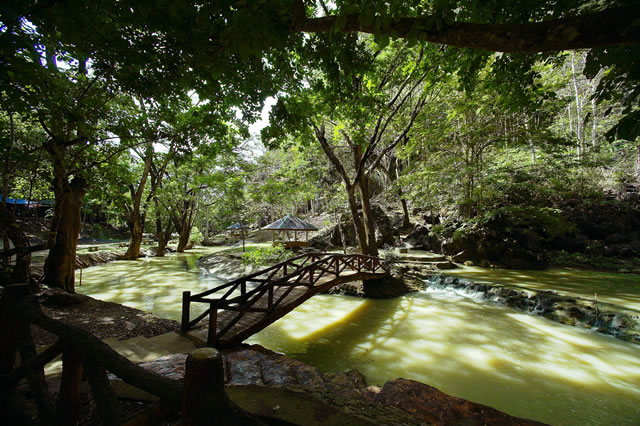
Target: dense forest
140 124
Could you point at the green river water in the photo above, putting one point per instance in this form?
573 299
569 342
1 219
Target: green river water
519 363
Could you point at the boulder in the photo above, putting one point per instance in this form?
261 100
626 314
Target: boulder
435 407
421 239
282 390
386 288
431 218
384 229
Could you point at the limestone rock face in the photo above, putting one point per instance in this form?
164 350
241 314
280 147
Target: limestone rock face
384 229
344 234
421 239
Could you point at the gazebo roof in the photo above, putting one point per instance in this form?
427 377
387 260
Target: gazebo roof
237 225
291 223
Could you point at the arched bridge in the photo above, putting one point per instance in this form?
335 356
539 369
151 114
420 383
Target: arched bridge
242 307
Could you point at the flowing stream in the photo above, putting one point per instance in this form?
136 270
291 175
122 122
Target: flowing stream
519 363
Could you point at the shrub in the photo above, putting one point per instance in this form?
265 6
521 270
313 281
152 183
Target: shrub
196 236
266 255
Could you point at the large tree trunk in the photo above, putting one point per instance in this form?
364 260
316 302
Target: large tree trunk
406 221
183 240
136 228
135 212
367 215
163 234
357 221
59 268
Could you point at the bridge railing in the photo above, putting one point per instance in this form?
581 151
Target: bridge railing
198 398
304 270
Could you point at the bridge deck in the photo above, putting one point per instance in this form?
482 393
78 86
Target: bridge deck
236 318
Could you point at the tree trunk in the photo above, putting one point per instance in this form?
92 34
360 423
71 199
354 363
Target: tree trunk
183 240
60 265
532 147
59 268
163 235
367 215
594 132
357 221
638 164
136 213
136 227
406 221
579 120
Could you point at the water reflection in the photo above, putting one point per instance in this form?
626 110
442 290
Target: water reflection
152 284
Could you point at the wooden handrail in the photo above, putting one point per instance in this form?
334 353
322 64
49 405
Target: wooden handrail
85 357
247 277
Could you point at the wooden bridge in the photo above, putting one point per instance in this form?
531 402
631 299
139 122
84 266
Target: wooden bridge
241 308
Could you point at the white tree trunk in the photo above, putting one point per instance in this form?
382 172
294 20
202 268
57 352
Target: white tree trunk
579 120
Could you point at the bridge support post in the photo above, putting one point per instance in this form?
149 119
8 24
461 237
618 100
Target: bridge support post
186 307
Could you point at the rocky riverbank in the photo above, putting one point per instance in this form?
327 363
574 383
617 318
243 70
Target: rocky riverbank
286 391
607 319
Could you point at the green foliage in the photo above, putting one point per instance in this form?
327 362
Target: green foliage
438 231
266 255
550 220
196 235
588 261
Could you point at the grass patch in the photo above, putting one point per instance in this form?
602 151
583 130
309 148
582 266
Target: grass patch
600 263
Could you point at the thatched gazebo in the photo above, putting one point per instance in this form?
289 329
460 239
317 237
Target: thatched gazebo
238 227
287 224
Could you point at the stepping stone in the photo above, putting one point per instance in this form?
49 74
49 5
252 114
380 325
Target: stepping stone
174 342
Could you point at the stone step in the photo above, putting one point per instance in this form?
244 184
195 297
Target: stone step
422 259
138 349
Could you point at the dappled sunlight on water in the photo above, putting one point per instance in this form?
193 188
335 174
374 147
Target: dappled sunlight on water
617 289
152 284
523 364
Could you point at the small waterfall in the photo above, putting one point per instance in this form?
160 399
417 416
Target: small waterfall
571 311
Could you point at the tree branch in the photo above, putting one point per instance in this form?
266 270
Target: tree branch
319 131
611 27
